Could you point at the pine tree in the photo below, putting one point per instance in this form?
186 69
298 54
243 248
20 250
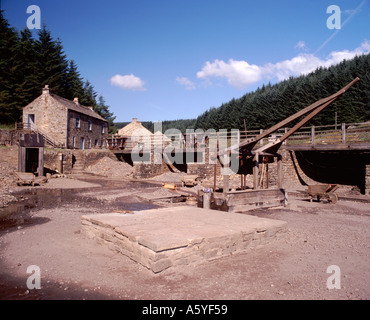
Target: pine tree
10 111
74 83
52 63
26 69
89 95
102 109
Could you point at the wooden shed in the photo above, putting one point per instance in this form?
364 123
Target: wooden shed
31 154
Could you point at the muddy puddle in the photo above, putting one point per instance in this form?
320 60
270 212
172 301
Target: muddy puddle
18 213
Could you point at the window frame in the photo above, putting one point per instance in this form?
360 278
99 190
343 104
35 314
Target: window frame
78 122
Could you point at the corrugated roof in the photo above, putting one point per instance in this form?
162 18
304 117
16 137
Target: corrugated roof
77 107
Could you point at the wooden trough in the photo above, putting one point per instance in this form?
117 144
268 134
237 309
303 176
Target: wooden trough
28 178
244 200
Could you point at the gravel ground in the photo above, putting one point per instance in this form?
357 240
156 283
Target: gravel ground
292 267
43 229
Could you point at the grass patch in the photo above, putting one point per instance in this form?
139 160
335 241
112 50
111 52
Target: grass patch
7 126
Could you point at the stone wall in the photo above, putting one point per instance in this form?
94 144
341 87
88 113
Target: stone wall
59 123
293 175
9 137
204 167
85 157
52 161
90 157
148 169
93 135
50 117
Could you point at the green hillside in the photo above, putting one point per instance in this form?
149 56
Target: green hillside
272 103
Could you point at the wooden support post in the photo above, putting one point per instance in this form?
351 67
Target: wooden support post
279 171
241 175
207 200
255 171
40 168
261 141
343 133
215 176
226 185
313 135
286 141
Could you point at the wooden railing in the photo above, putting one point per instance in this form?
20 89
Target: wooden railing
351 133
34 129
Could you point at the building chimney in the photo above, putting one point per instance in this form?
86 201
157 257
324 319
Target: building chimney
134 120
45 90
75 100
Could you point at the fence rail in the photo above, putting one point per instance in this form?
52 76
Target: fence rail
352 133
345 133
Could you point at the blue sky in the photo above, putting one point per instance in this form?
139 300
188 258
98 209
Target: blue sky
174 59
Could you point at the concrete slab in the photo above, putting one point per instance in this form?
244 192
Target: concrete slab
161 238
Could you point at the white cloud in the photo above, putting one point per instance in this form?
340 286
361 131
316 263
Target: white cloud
128 82
307 62
189 85
238 74
301 64
301 45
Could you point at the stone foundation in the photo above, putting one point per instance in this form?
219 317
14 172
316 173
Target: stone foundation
166 237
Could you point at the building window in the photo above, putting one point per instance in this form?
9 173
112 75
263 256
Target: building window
89 125
96 143
73 142
102 129
89 147
78 122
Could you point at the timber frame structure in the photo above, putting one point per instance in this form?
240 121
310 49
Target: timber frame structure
248 150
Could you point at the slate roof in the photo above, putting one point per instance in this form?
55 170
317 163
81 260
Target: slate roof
77 107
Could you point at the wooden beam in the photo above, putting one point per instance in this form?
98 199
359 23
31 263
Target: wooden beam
273 147
255 171
226 185
250 143
280 171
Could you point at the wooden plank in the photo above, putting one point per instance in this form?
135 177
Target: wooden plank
237 198
245 200
279 171
255 171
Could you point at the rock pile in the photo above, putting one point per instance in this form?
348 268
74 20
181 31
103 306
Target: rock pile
111 168
8 165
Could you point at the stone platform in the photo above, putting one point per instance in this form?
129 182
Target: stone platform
165 237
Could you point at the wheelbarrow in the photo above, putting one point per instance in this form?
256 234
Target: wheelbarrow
323 191
189 180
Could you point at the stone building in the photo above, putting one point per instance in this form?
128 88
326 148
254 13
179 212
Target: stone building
65 123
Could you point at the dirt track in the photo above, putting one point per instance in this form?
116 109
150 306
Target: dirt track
292 267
